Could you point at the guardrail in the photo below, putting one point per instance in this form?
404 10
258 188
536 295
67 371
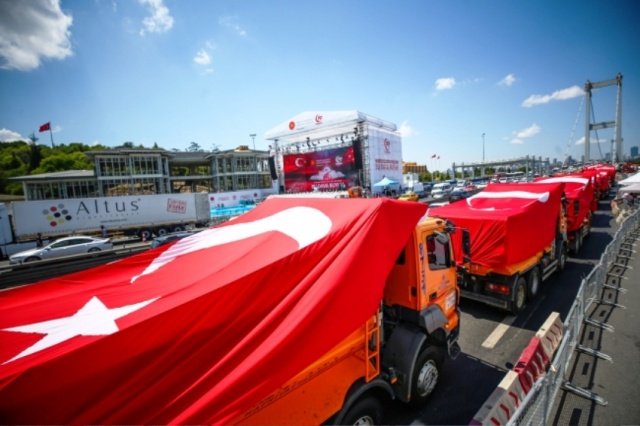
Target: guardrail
27 273
536 405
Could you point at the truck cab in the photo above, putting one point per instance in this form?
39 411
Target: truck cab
397 354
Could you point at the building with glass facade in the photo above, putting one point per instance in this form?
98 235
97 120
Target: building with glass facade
155 171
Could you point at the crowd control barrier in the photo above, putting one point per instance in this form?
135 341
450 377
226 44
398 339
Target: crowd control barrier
531 389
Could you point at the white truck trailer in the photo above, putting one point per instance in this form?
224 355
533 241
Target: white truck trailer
143 215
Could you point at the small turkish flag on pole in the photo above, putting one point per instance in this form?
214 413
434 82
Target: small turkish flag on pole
45 127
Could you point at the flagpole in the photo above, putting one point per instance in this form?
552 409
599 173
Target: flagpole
51 134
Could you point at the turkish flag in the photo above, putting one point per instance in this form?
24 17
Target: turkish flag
45 127
200 331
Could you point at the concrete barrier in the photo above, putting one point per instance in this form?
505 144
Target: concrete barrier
531 364
502 403
550 334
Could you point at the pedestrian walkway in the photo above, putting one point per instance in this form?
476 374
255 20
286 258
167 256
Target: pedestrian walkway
609 373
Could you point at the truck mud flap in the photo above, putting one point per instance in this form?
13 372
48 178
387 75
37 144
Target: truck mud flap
401 352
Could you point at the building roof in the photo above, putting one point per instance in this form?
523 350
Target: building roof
66 175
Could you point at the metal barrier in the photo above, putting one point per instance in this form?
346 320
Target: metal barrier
538 404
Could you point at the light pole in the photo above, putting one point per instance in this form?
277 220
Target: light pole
483 147
253 137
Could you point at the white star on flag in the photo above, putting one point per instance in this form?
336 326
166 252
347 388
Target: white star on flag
93 319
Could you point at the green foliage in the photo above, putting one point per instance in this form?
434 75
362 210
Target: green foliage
23 158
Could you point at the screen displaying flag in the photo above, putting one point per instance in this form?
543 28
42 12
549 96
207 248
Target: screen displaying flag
45 127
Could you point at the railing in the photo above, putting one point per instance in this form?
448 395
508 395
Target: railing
537 406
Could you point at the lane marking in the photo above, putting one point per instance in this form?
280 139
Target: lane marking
498 332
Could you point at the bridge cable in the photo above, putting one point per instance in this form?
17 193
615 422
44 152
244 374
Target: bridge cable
566 154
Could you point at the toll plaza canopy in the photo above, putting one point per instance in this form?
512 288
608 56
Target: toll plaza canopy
199 331
508 223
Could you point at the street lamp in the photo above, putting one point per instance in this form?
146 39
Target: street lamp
483 147
253 137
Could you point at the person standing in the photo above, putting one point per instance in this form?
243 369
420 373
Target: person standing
103 232
39 242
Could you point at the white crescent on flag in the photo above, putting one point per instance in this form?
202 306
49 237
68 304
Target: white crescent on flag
543 197
293 222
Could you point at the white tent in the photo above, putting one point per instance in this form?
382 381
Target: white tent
633 188
631 179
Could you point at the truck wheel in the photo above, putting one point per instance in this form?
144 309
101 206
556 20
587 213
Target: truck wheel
577 242
425 376
562 257
533 283
145 235
366 411
161 232
520 296
178 228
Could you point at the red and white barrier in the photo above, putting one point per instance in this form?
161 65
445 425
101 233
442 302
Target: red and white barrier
516 384
550 334
502 403
531 364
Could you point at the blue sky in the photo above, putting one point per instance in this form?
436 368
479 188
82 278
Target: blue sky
173 72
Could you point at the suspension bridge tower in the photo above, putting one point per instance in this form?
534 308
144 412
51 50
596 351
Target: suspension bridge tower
616 156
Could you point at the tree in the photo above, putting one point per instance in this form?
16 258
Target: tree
194 147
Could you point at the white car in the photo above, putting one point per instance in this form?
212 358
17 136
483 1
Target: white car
67 246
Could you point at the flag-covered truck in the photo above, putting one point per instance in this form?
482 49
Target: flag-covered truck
142 215
518 239
301 311
580 204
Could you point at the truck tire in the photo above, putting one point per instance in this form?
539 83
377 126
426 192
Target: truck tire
533 283
562 257
161 232
178 228
519 296
366 411
577 242
146 235
426 374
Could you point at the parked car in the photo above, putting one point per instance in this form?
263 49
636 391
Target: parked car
470 187
169 238
439 194
409 196
66 246
458 194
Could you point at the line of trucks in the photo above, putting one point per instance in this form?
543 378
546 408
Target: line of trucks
496 247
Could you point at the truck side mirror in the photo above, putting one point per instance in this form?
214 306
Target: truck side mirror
466 243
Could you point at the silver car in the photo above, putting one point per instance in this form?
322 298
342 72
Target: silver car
67 246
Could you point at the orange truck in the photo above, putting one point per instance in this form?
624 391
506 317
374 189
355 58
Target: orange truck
518 239
396 354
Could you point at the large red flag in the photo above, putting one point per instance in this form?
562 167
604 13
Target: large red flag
199 331
45 127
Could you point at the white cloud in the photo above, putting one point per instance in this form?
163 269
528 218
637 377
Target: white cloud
406 130
507 81
159 21
33 31
231 22
445 83
519 136
202 58
7 135
591 141
558 95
